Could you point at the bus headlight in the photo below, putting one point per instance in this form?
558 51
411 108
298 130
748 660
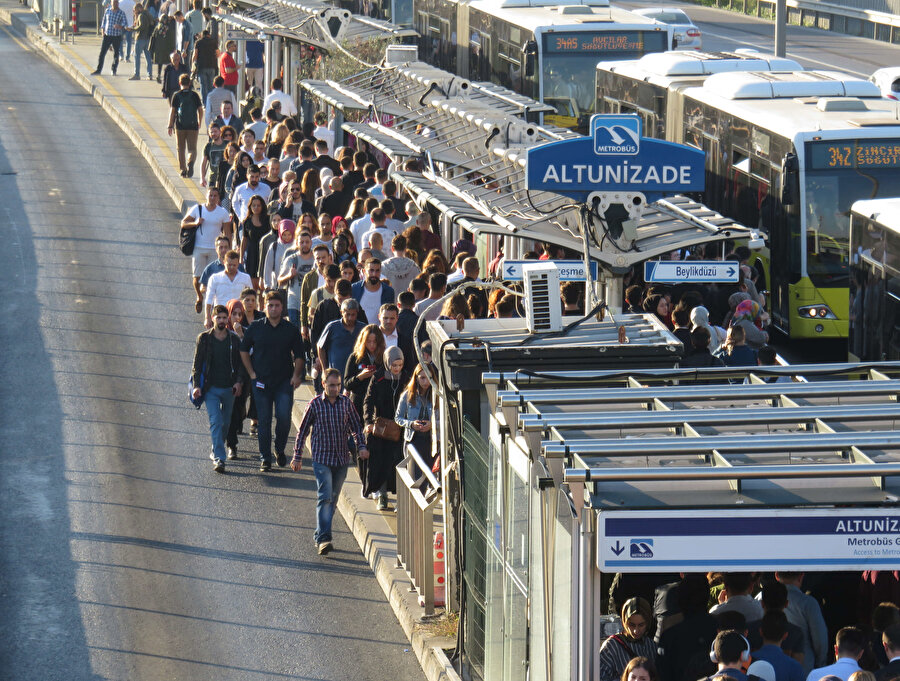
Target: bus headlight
816 312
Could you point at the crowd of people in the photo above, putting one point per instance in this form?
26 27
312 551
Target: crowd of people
785 626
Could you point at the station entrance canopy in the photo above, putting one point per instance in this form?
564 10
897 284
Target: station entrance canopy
315 24
473 140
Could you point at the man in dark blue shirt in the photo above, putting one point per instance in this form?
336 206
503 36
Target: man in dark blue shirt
337 339
276 370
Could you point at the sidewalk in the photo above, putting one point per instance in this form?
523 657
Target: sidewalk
139 110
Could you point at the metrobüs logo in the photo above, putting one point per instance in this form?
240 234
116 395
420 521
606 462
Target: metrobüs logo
642 548
616 135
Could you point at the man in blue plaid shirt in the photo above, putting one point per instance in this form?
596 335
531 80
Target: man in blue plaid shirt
113 28
333 420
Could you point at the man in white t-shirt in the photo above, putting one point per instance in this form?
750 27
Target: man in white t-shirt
371 293
321 131
225 285
210 221
378 217
288 108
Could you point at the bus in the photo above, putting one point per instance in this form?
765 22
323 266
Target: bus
544 49
874 280
788 153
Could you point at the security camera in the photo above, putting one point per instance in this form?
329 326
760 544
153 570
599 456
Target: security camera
756 241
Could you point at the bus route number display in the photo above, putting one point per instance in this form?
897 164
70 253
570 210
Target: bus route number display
854 154
595 42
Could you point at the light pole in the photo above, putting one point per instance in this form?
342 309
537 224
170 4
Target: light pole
780 26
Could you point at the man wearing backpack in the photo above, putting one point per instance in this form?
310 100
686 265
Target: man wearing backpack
185 118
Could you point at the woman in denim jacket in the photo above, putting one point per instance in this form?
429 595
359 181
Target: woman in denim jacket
415 413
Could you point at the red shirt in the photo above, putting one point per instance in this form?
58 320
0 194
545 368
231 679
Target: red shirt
226 61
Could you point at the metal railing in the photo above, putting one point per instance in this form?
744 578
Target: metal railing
849 17
418 492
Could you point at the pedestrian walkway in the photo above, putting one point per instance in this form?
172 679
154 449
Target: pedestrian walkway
139 110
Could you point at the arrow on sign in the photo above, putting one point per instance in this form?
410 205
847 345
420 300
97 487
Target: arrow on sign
618 548
730 271
510 271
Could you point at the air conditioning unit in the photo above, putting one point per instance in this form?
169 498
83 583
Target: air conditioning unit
543 304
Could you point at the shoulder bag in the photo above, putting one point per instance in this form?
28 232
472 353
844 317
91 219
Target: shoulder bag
187 238
387 429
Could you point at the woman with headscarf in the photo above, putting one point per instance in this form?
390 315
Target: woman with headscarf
700 317
751 317
382 397
636 640
658 305
733 300
271 263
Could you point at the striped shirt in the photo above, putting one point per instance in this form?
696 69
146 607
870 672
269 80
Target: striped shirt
614 656
331 425
111 19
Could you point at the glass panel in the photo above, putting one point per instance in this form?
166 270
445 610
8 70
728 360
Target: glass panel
494 618
829 196
517 522
562 592
515 667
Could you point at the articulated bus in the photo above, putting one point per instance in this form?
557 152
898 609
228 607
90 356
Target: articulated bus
875 280
789 153
545 49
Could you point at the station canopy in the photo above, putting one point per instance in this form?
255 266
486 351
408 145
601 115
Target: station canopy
316 24
472 139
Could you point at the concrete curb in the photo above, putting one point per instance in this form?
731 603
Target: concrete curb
375 537
52 53
377 541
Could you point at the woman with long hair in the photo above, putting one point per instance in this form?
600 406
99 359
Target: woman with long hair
362 363
436 258
455 306
658 304
228 156
382 397
640 669
415 412
236 177
358 205
414 244
636 640
254 227
349 271
308 186
309 223
275 139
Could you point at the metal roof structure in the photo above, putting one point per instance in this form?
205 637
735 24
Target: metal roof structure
473 139
688 438
311 23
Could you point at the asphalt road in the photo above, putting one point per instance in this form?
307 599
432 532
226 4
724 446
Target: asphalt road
813 48
122 555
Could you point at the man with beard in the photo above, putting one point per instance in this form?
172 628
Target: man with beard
371 293
297 262
218 377
244 192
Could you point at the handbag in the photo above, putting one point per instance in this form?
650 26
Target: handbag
187 237
387 429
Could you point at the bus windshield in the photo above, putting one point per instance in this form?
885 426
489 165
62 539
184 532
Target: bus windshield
829 196
569 57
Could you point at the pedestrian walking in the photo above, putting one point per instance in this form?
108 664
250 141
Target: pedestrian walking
113 28
203 60
185 119
276 370
333 420
162 44
218 377
228 67
379 412
211 221
415 413
143 28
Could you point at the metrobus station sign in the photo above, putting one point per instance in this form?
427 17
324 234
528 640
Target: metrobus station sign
748 540
616 157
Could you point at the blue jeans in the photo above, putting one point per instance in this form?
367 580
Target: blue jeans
219 402
142 47
206 76
278 398
125 44
329 480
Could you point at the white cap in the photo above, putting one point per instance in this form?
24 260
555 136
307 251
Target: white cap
762 669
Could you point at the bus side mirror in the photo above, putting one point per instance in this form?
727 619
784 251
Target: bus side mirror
790 180
529 54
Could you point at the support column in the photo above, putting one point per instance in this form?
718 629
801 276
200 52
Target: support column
780 27
242 70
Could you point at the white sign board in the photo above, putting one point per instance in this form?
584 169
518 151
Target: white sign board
746 541
569 270
690 271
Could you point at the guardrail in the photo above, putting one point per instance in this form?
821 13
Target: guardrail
418 492
855 21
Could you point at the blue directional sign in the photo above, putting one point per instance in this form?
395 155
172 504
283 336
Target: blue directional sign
569 270
616 157
691 271
752 539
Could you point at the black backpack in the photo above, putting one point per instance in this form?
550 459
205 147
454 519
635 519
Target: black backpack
187 237
186 109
